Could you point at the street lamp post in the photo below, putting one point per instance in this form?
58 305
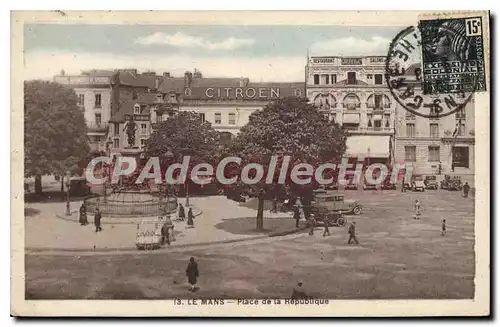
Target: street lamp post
68 184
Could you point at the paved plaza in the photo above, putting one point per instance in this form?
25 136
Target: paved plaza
398 257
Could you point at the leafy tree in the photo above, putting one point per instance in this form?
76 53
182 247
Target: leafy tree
287 127
184 134
55 133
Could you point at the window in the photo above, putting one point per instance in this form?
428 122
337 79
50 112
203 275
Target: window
81 99
116 143
434 130
159 97
144 129
232 118
97 138
378 79
334 78
326 79
351 78
377 124
369 76
143 143
158 118
316 79
410 130
460 156
172 97
137 109
134 95
410 153
459 129
116 129
387 118
378 101
434 153
460 114
97 103
370 124
98 119
218 118
202 116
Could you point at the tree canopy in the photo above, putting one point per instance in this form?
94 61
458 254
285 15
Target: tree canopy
184 134
290 127
55 133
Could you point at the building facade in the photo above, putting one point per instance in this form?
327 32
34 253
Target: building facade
94 93
352 92
437 146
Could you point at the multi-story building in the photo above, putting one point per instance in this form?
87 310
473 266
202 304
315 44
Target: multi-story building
94 92
436 146
352 92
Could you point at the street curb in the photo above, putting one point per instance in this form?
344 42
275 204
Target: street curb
175 246
104 222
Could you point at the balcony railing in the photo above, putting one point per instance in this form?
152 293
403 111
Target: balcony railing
97 127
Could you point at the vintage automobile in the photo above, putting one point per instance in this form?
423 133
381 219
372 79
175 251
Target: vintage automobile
78 186
334 203
431 182
451 183
417 183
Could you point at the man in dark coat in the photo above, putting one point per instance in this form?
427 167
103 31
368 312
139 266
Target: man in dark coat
352 233
299 292
97 220
190 218
296 216
192 274
466 190
182 213
83 215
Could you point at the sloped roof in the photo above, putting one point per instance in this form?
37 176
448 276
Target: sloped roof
127 107
169 84
138 80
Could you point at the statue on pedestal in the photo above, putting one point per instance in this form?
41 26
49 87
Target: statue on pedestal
130 128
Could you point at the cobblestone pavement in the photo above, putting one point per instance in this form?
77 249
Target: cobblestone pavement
398 257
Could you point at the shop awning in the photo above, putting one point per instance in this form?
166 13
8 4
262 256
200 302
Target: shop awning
374 146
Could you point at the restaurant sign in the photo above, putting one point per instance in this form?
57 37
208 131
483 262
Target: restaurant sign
352 61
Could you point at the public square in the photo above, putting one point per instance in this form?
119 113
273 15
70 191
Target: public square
398 257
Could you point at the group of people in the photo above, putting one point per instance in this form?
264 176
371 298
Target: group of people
417 207
182 216
97 218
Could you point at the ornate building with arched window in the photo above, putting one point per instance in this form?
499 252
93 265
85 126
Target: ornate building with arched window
352 92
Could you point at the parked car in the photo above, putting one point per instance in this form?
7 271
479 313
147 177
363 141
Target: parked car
78 186
417 183
451 183
334 203
431 182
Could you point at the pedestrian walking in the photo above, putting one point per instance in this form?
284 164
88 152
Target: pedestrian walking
97 220
165 235
326 232
352 233
182 213
443 227
403 186
296 216
299 292
466 190
312 224
83 215
192 274
275 205
418 209
190 221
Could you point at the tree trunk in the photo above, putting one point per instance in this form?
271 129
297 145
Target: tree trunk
62 188
38 184
260 215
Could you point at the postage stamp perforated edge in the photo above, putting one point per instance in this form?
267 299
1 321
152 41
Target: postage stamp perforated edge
20 307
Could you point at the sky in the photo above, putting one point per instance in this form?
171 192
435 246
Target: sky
261 53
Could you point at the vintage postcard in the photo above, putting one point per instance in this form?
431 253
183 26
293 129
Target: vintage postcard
262 164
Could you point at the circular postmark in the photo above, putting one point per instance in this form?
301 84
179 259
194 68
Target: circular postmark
405 79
